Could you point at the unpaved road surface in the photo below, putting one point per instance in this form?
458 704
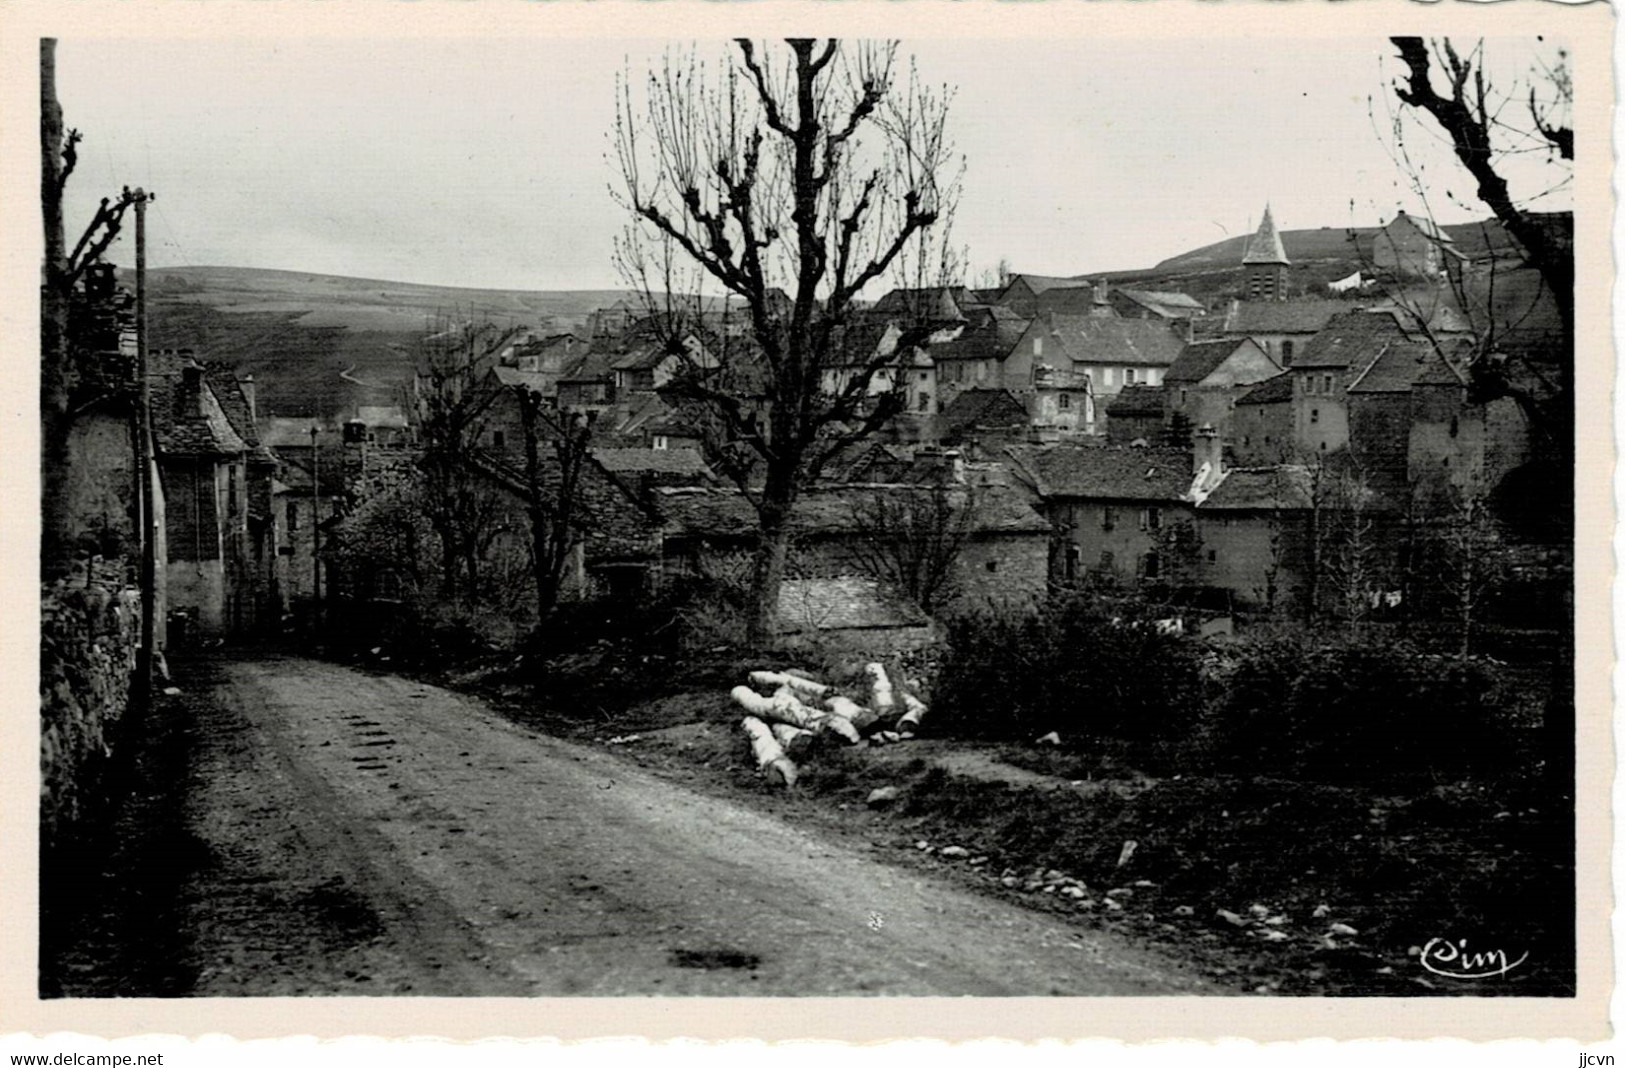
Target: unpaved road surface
341 832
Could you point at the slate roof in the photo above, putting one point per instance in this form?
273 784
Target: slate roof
1282 316
991 339
1039 283
1392 370
1076 299
1265 246
1169 304
653 461
1199 359
985 407
1118 473
1265 488
718 513
1445 368
536 381
936 303
1350 340
845 603
183 427
1277 390
1137 401
1134 342
591 367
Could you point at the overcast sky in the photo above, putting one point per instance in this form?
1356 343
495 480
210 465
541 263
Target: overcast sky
482 163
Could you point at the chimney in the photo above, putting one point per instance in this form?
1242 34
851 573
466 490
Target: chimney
247 384
1207 450
191 398
1101 292
1190 328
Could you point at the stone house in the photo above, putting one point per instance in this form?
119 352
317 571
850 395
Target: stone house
1261 426
1410 246
851 613
973 357
1204 383
1108 354
984 417
1137 413
1281 328
220 527
1173 519
1154 304
1004 560
1321 376
1022 291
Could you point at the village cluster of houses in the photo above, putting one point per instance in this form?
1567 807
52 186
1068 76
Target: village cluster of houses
1094 432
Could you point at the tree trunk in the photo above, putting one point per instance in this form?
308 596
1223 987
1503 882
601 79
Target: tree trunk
772 549
55 535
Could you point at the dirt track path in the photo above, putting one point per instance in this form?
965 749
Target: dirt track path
371 834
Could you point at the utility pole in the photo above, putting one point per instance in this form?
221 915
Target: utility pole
147 508
315 521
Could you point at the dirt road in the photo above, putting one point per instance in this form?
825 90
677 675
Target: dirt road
353 833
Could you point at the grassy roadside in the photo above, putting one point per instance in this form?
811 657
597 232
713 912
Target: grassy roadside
1286 859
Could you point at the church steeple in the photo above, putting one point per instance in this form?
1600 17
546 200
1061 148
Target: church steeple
1265 262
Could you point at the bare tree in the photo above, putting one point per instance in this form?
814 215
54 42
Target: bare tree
452 406
61 272
910 538
1480 121
554 491
790 181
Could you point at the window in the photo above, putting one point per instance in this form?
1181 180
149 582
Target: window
992 565
293 515
925 376
1286 354
925 401
1151 519
1066 400
1326 383
1213 556
499 440
1038 346
1130 376
1183 397
1314 415
1455 426
1150 566
661 443
1107 560
1073 558
1108 517
1107 373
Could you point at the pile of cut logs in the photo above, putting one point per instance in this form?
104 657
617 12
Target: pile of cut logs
789 715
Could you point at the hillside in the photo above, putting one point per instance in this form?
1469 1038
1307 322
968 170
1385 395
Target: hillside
297 332
1327 243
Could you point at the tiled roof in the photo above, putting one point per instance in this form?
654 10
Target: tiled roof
1137 400
1135 342
1285 486
1282 316
658 461
1199 359
936 303
1265 247
1447 367
1142 474
1393 370
845 603
1352 339
1275 390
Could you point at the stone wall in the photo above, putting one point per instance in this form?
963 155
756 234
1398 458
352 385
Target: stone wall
90 626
